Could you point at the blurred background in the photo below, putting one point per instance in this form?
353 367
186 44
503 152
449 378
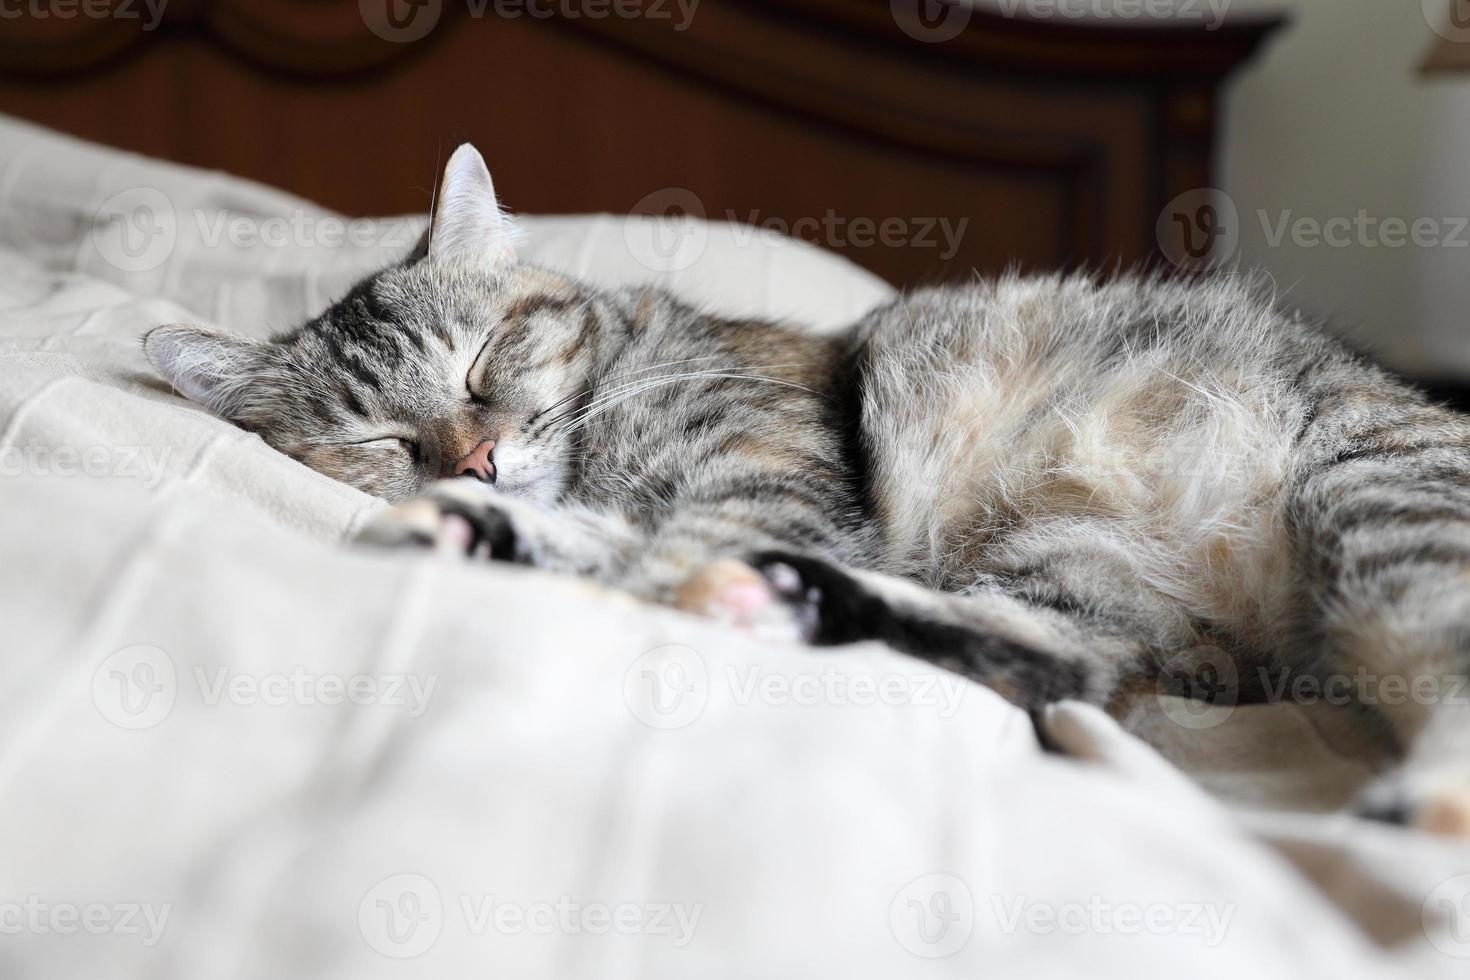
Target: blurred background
1320 140
1340 117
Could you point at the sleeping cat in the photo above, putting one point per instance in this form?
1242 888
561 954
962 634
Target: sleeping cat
1056 486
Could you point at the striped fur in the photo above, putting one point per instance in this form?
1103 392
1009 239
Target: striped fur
1058 486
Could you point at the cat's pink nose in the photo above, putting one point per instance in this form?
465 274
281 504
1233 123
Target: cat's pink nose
478 463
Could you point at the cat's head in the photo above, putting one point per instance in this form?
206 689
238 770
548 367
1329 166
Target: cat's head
446 365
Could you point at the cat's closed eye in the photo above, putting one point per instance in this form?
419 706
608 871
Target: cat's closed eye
408 446
477 370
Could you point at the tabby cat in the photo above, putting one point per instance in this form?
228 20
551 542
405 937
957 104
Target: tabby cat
1055 485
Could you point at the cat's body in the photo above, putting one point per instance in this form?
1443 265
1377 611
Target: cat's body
1052 485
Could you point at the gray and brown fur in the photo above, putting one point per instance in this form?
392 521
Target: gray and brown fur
1057 486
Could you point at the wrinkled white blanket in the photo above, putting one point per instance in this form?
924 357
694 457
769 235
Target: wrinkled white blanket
231 746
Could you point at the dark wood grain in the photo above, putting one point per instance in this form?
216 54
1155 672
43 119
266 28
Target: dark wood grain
1055 144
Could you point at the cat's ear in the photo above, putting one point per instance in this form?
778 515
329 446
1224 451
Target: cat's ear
206 366
468 222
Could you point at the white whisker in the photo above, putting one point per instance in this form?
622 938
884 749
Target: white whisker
649 384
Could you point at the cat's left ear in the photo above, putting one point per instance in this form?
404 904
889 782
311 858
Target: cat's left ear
212 368
468 223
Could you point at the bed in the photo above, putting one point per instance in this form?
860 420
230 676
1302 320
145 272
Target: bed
232 746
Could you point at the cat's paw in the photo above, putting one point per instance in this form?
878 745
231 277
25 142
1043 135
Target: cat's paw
1436 807
778 596
454 516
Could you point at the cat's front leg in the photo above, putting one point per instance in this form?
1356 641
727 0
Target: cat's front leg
468 517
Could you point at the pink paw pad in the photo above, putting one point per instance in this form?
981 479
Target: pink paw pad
733 593
455 533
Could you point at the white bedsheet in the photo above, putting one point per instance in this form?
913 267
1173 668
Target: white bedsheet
232 747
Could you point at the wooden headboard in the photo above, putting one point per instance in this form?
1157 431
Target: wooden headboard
1060 143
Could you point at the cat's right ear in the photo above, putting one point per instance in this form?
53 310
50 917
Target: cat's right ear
212 368
468 223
